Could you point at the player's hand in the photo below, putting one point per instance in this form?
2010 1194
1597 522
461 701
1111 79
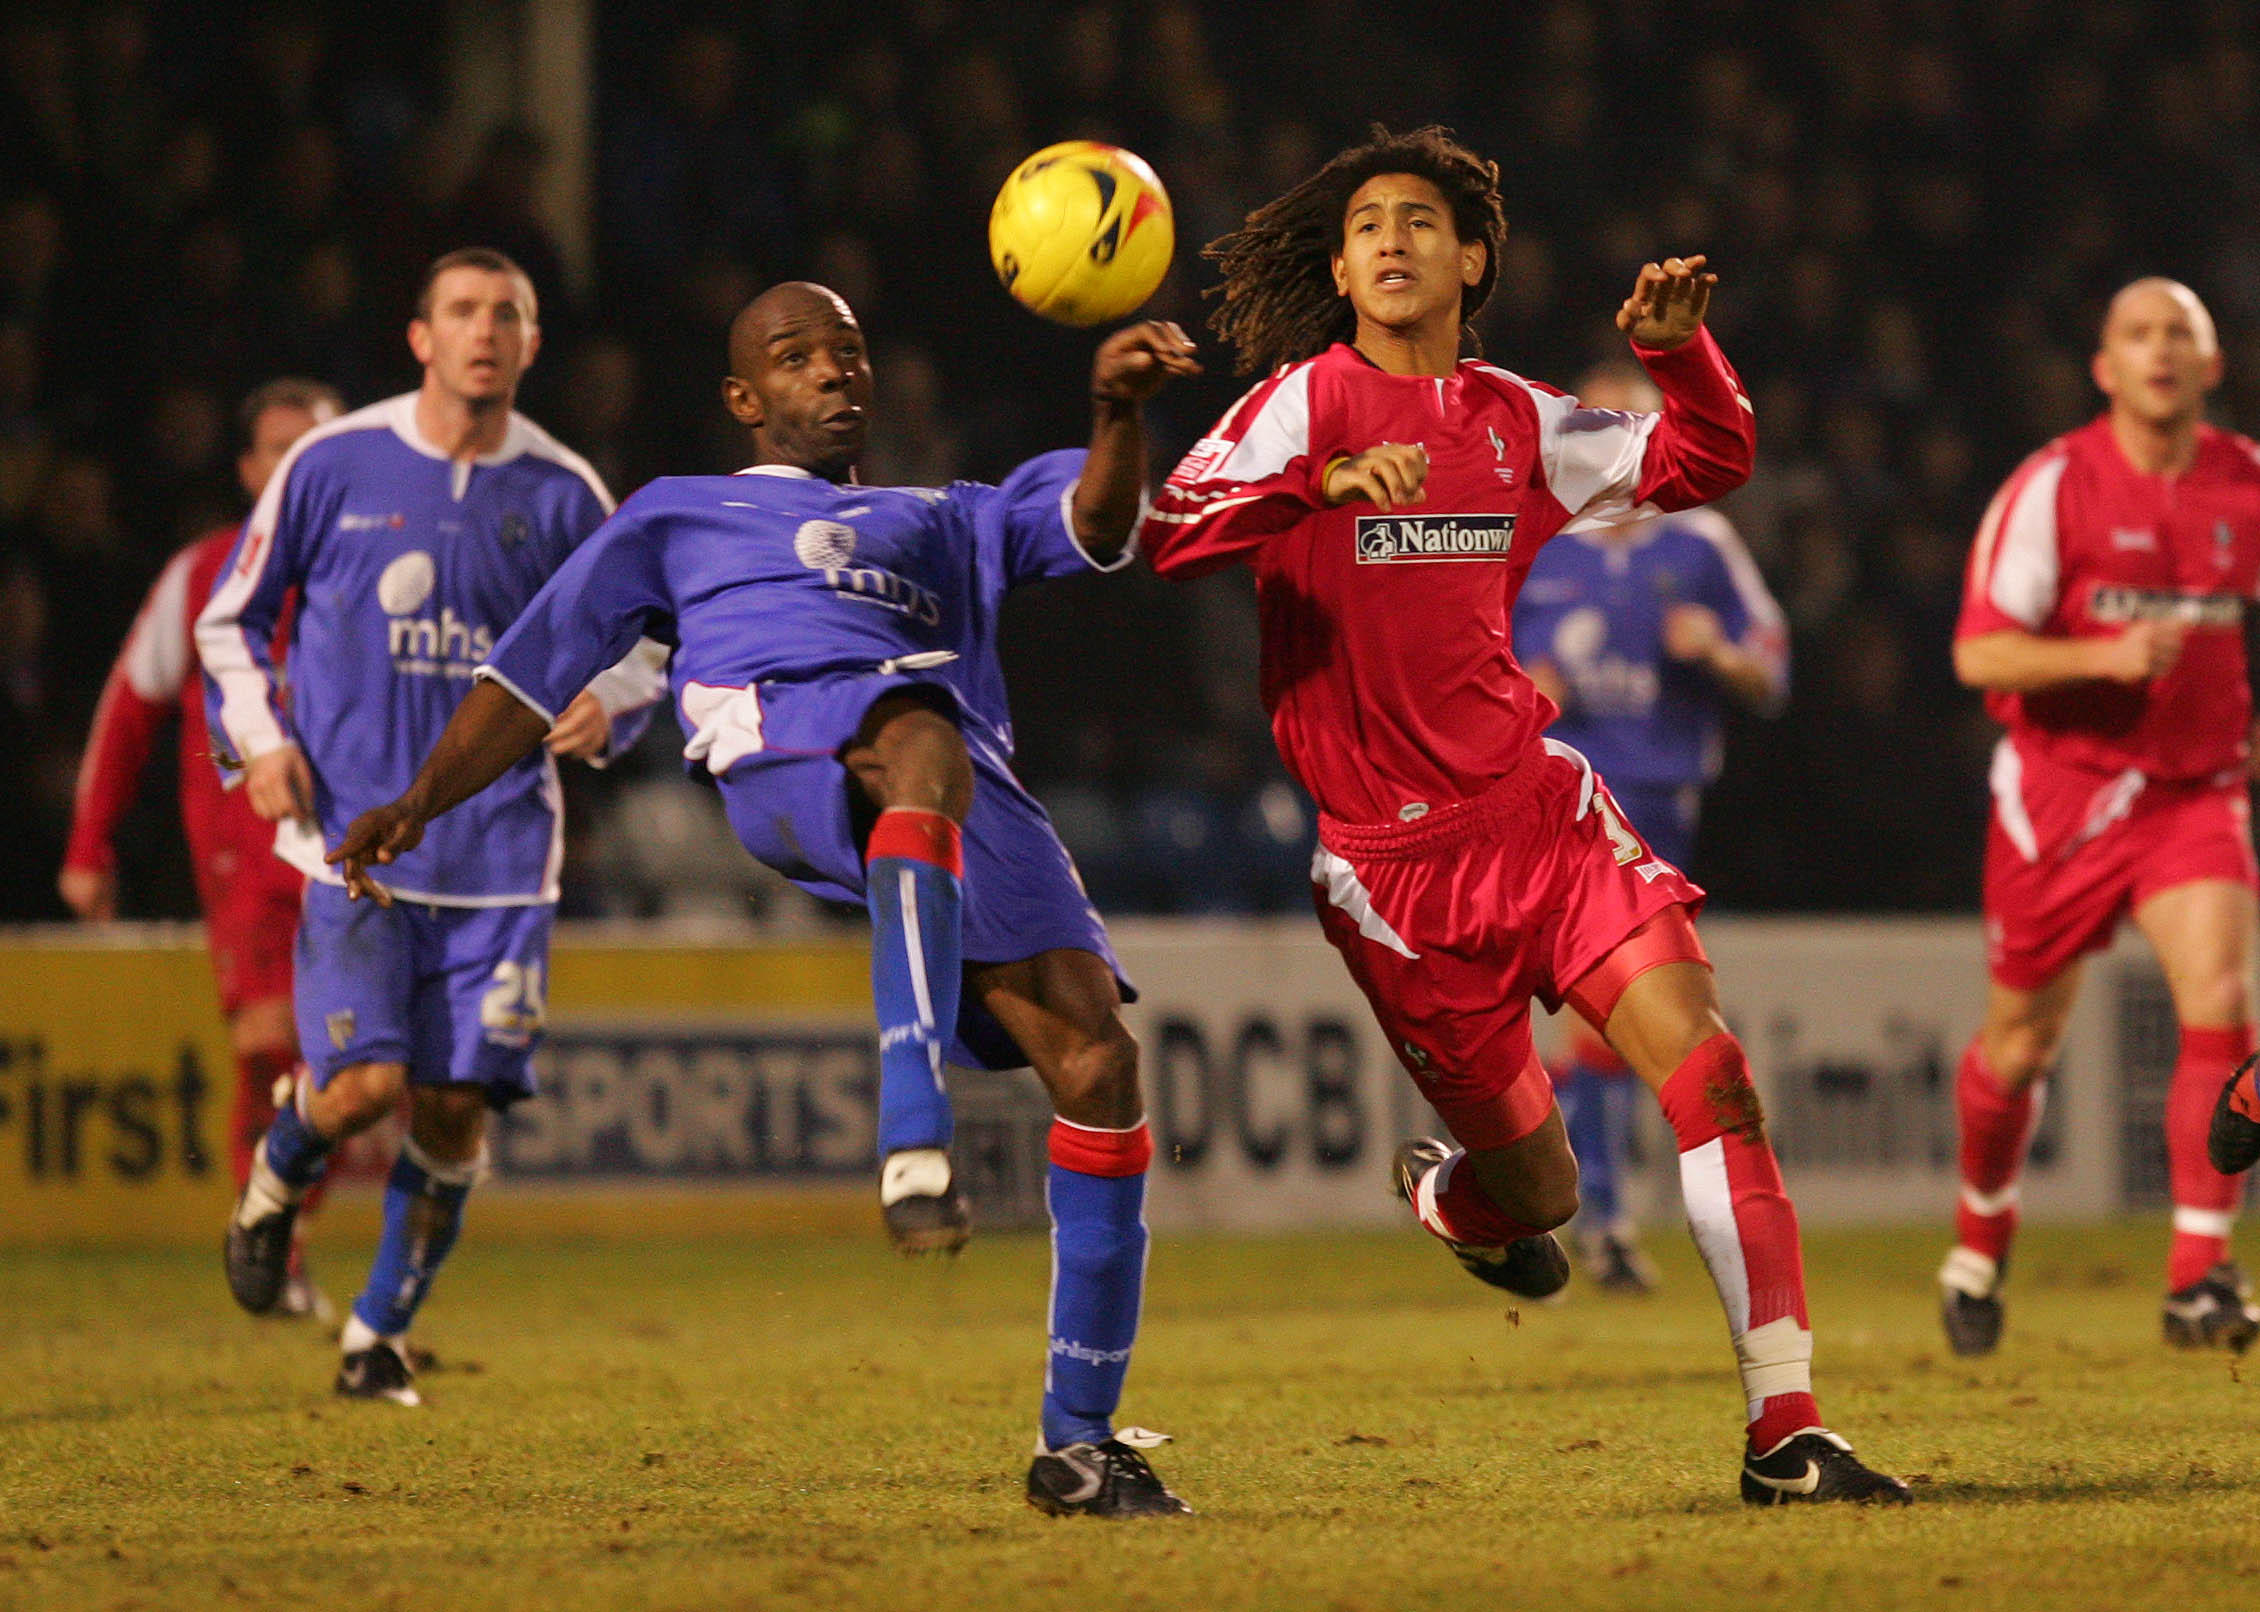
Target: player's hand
2145 650
583 732
1386 475
1692 632
376 836
1132 364
1668 302
92 893
279 784
1548 677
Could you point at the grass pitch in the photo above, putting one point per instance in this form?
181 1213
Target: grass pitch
813 1423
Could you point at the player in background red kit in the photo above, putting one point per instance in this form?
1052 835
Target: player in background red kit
1389 496
2103 616
248 895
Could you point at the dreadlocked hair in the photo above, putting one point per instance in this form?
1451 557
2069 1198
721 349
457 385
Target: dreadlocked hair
1279 302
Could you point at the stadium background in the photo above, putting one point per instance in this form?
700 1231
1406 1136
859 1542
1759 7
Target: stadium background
1916 209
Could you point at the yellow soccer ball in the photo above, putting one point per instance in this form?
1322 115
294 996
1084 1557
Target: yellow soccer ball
1082 232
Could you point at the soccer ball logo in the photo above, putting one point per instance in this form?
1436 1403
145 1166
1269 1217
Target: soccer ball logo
824 545
406 583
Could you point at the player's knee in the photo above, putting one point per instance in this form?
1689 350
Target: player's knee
2215 998
357 1097
2021 1052
1097 1079
1535 1191
448 1122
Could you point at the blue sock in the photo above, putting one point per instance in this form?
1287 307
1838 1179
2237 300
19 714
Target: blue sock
423 1214
296 1152
912 885
1097 1193
1585 1113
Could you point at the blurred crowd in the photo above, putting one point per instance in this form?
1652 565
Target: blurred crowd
1916 208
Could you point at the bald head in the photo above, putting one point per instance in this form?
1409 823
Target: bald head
2158 357
800 379
791 305
2155 295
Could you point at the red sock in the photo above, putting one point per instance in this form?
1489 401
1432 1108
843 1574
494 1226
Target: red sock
253 1108
2205 1201
1997 1126
1746 1229
1455 1207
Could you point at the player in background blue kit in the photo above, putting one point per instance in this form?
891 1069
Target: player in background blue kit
1639 633
412 532
835 672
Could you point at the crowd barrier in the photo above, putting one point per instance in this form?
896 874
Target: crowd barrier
723 1083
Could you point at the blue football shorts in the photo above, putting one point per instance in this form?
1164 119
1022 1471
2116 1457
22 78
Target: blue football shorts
458 994
790 806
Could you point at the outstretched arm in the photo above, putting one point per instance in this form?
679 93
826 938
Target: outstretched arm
1129 367
488 734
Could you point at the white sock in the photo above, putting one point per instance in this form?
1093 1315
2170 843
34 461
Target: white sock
266 1193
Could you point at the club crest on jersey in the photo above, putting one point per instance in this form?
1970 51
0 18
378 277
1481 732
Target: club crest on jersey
340 1025
515 530
2224 545
1387 539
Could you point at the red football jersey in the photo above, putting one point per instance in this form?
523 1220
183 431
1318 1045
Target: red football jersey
2078 544
1387 666
156 675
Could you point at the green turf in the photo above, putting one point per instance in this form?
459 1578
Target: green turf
815 1424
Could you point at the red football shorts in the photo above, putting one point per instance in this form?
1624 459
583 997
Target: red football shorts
250 900
2069 853
1451 923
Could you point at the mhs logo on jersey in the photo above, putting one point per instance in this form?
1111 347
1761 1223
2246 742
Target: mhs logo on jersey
2119 605
1384 539
828 546
420 644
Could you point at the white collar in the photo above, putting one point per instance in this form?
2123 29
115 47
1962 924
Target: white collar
793 472
403 421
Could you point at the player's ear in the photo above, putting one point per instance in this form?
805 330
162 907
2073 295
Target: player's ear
1341 276
420 340
1474 255
2213 370
743 402
2099 369
533 346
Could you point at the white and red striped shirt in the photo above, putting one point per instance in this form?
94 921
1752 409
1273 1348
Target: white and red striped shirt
155 677
1388 666
2078 543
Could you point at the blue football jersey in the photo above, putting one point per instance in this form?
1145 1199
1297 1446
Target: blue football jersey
1594 606
407 566
773 578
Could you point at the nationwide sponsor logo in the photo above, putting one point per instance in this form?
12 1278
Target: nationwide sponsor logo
2117 604
2134 539
350 522
1388 539
828 546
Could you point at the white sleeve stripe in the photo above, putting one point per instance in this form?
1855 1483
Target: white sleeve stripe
1591 458
1279 434
542 445
487 674
156 658
1130 544
1192 516
246 718
1767 637
2025 566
